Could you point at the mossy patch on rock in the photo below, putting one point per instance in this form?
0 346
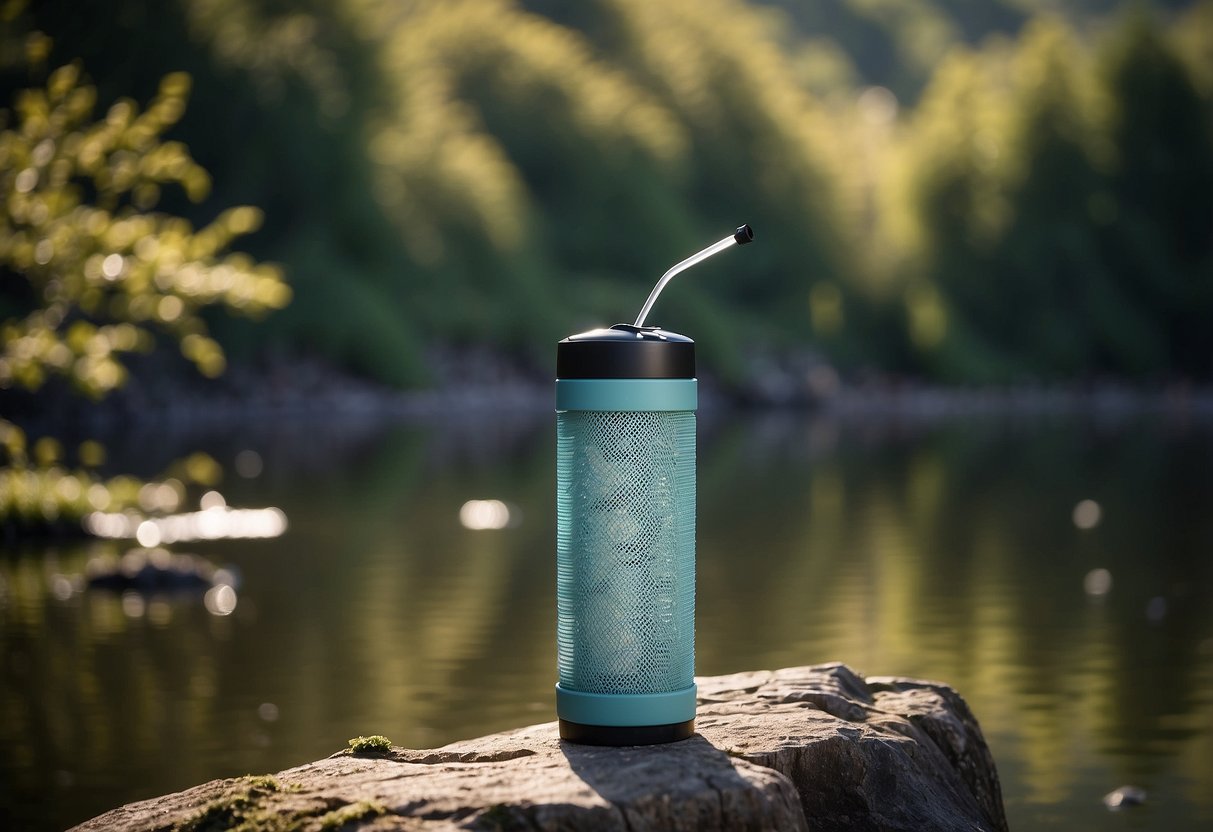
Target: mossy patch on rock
354 812
376 744
235 808
249 806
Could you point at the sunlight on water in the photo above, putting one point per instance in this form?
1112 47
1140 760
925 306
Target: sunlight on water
214 522
487 514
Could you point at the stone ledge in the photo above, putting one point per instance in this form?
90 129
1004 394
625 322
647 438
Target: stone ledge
816 748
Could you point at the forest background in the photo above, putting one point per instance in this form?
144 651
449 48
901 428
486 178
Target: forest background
1003 192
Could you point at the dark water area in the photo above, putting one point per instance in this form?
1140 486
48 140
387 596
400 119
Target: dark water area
950 550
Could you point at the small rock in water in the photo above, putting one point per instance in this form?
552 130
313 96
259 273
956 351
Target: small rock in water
1123 797
150 571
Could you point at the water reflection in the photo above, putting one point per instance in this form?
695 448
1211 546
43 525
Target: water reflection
215 521
390 606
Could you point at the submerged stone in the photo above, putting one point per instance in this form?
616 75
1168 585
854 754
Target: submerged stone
154 571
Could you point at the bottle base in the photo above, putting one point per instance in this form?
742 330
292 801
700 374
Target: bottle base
626 734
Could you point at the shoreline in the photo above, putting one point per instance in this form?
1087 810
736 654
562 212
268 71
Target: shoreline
298 391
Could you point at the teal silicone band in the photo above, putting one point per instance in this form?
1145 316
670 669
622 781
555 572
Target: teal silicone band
627 394
618 709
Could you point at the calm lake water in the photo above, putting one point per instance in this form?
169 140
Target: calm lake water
948 551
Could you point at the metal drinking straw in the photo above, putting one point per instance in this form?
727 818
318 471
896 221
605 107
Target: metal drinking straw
744 234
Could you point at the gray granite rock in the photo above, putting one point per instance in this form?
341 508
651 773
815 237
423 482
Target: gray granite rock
815 748
878 754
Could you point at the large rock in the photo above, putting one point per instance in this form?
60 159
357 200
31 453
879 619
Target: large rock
816 748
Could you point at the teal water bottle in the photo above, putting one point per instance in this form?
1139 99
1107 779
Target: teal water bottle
625 516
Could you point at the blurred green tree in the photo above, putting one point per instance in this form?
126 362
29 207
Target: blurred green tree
90 271
542 181
1159 199
953 210
515 165
757 148
1053 308
93 271
1061 207
497 172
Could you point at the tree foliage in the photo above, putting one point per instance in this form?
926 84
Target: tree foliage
95 270
1029 198
1064 203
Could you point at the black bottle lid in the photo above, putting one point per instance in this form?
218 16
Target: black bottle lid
626 351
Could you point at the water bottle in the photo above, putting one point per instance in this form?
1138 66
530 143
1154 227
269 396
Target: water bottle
625 517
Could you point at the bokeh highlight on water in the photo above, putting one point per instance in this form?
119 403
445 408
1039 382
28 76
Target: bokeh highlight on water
1056 571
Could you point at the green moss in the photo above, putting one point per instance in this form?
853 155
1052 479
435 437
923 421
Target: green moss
377 744
354 812
248 806
221 813
269 820
240 809
262 782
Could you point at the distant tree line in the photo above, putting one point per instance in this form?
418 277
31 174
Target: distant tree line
965 192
